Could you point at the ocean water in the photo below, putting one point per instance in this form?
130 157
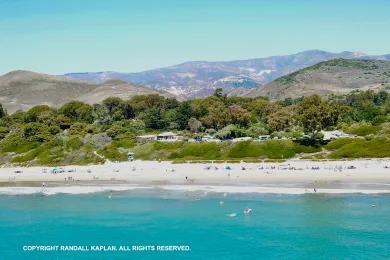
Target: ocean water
210 226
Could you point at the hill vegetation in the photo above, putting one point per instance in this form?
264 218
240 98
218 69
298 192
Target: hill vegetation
80 133
338 76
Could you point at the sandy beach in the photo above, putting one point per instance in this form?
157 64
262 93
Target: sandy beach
292 177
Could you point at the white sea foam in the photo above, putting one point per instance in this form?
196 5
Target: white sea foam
270 190
65 190
182 188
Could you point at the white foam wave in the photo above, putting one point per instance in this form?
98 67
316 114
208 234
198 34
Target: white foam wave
183 188
64 190
270 190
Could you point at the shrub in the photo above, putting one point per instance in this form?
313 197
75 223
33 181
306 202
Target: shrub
230 131
167 146
144 151
124 142
376 148
298 148
256 130
17 144
36 132
112 153
97 141
135 125
338 143
3 131
273 149
208 151
51 156
78 129
77 111
28 156
74 143
115 130
362 129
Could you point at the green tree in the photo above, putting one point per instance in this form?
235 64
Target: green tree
315 114
118 109
230 131
77 111
194 124
101 114
3 111
238 115
257 129
218 92
198 108
37 113
144 102
280 120
262 108
365 105
153 118
216 118
183 114
169 117
36 132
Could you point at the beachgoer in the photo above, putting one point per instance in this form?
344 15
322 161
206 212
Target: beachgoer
247 211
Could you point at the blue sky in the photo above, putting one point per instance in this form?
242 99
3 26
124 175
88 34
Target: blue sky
56 37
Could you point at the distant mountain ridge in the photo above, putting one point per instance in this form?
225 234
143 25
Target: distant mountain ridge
338 76
201 78
20 90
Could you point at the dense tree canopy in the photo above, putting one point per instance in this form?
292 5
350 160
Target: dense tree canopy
315 114
227 117
215 112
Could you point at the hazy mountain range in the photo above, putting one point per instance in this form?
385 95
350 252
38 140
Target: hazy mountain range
200 78
278 77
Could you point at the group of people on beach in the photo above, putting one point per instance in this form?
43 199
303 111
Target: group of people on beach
288 167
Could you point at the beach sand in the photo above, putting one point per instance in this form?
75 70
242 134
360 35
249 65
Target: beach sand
290 177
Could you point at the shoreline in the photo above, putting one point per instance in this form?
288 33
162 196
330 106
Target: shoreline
289 177
194 191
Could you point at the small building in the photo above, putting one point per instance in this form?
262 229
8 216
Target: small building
146 138
331 135
210 139
169 137
264 137
241 139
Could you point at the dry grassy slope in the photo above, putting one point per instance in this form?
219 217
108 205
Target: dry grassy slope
24 89
330 77
118 88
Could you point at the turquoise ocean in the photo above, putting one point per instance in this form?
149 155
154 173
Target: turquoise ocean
209 226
